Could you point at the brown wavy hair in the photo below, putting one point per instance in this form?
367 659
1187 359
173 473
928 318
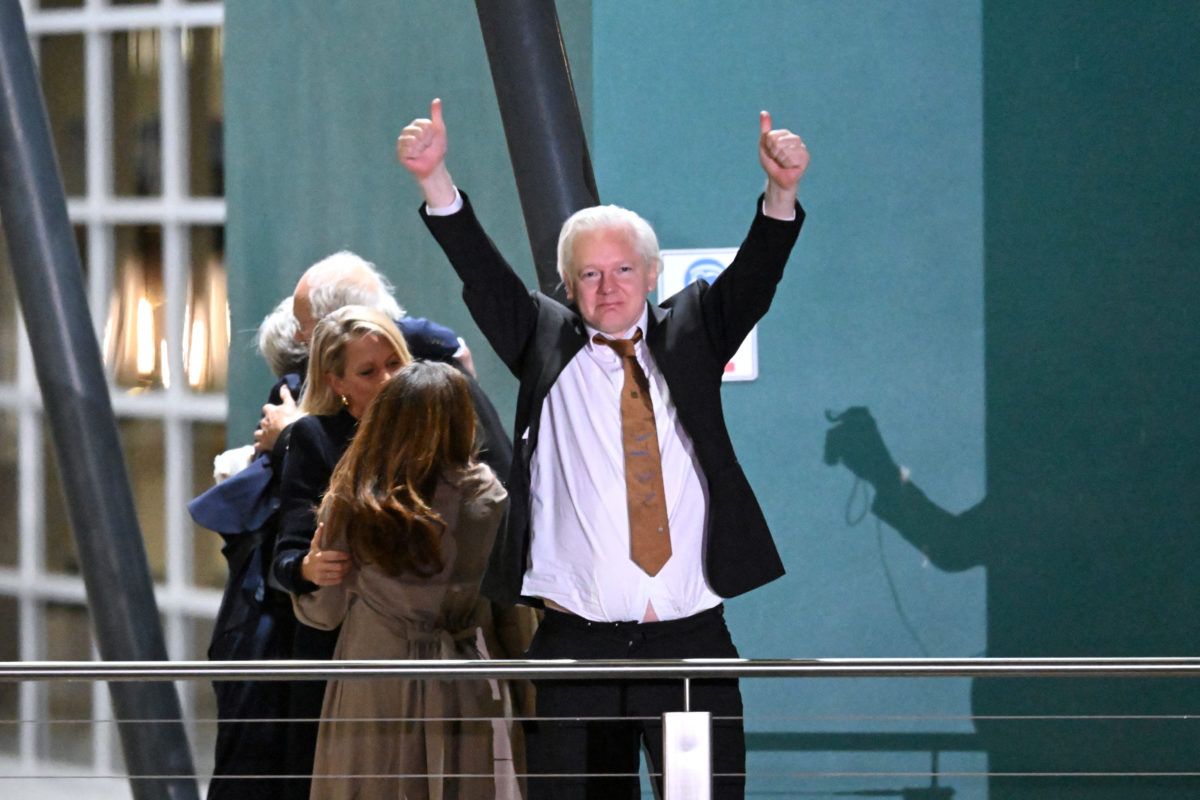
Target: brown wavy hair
420 425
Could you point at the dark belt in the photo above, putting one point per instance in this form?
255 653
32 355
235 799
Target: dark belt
647 630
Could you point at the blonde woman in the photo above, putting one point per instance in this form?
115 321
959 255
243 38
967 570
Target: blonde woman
355 351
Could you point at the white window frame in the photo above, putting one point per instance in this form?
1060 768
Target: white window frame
176 407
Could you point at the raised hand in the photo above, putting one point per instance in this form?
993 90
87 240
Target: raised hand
783 154
274 419
324 567
421 147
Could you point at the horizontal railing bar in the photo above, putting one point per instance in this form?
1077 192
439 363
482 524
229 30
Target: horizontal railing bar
632 669
794 775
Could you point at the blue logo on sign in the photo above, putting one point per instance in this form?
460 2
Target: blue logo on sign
703 269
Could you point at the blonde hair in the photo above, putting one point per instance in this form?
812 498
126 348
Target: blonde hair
328 352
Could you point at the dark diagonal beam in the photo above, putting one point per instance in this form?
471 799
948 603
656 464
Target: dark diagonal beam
541 121
49 281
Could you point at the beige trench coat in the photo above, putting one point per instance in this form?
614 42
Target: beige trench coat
411 739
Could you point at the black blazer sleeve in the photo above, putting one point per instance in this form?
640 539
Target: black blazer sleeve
498 300
743 292
495 448
307 468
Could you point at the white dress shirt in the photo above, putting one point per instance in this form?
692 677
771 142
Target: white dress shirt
579 521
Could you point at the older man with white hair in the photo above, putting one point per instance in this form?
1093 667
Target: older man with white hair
629 517
345 279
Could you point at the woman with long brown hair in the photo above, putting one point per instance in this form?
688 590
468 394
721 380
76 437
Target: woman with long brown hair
418 516
355 351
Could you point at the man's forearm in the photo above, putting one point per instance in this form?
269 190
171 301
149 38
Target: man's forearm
438 187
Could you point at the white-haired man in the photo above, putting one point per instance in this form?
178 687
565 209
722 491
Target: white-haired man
629 517
346 279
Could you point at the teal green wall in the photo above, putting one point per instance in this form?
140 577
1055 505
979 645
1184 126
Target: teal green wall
1022 169
316 94
1089 529
882 306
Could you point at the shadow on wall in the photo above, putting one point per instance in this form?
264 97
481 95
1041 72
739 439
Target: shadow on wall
1089 530
1075 567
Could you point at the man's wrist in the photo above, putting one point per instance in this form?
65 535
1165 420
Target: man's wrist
453 207
779 203
438 188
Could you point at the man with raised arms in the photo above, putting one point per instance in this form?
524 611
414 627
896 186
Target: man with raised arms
630 519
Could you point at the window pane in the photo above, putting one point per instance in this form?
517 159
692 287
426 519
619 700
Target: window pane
61 64
61 555
135 332
132 2
10 650
142 442
8 489
68 638
136 131
208 565
8 316
60 3
206 332
142 446
202 53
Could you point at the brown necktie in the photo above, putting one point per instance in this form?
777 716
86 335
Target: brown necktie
649 535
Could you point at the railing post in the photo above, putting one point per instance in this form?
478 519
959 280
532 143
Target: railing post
687 755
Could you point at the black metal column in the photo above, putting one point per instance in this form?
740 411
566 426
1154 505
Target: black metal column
541 121
49 280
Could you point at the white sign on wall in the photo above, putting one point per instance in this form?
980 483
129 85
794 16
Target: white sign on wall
683 267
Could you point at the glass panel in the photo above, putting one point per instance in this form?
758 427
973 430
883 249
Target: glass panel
142 445
135 333
132 2
208 565
137 138
60 3
68 638
10 650
202 52
142 442
8 316
206 331
61 65
61 555
8 489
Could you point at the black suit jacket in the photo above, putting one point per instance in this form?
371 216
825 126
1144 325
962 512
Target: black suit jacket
315 445
692 336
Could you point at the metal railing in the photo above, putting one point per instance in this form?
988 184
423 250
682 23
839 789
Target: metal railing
687 671
565 669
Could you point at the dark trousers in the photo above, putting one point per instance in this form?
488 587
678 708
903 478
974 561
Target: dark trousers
589 729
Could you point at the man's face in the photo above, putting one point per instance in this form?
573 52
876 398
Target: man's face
610 281
302 311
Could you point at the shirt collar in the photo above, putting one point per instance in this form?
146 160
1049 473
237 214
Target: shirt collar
628 334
